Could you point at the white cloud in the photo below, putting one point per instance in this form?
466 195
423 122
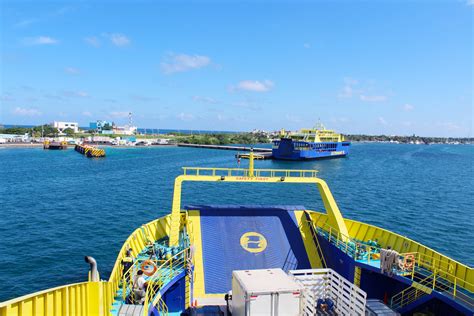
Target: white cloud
352 88
307 45
221 117
119 114
202 99
72 70
338 120
408 107
142 98
80 94
26 111
87 113
7 97
373 98
449 126
470 2
254 86
182 62
382 121
119 40
185 116
25 23
40 40
248 104
293 118
348 90
92 40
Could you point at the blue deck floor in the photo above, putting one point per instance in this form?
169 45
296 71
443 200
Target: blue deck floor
248 238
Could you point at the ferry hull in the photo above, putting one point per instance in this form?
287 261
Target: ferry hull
288 149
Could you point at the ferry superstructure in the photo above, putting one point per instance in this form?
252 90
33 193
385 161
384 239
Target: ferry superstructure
314 143
191 258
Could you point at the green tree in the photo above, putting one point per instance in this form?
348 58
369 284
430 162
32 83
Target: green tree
69 131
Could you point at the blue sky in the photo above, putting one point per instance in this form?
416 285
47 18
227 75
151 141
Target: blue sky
373 67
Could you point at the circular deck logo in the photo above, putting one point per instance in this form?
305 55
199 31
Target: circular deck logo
253 242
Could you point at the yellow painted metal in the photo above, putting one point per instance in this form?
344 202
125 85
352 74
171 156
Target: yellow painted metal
357 274
258 176
195 235
418 289
251 163
317 134
151 231
87 298
402 244
165 272
310 242
441 268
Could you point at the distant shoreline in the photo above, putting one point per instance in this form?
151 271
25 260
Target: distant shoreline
40 145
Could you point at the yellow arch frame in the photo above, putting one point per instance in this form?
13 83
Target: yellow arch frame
330 205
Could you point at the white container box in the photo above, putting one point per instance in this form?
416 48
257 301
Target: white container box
269 292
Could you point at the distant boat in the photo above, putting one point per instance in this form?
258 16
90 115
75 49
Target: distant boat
315 143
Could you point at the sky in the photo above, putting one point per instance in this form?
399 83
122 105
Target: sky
360 67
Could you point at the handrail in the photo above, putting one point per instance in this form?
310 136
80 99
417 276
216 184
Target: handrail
127 281
156 281
347 244
430 262
443 281
432 282
440 269
411 293
239 172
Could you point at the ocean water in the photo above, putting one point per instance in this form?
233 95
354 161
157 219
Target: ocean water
58 206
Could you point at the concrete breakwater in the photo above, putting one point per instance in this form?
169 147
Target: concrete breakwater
226 147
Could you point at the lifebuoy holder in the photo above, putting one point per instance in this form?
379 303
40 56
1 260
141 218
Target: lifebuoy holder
148 267
409 261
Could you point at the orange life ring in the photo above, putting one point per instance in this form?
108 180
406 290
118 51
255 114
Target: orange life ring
148 267
408 261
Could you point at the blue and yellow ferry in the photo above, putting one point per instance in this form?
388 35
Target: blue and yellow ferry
314 143
187 262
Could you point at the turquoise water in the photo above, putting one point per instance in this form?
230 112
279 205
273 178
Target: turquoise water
57 206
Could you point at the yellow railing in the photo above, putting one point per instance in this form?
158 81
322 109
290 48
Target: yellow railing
127 277
412 293
236 172
425 261
165 272
441 278
137 241
347 244
437 281
86 298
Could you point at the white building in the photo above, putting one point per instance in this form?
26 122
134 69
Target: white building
61 126
125 130
11 138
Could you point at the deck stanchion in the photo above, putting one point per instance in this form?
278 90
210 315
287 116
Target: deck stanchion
368 255
454 292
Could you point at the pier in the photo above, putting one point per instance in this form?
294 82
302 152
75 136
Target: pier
54 145
226 147
89 151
